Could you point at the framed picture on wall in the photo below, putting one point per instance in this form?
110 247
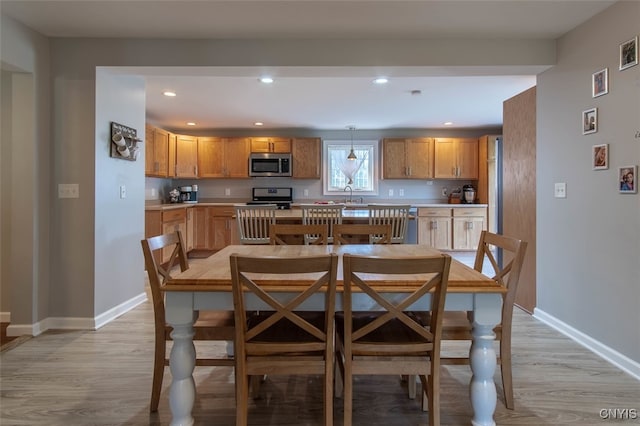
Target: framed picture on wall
600 83
629 53
627 179
590 121
600 156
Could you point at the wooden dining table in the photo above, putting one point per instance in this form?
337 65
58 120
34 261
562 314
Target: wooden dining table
206 285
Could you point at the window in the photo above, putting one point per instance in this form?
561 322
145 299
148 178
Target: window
337 169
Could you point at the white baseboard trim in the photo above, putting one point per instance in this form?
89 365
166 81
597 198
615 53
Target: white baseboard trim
616 358
5 316
70 323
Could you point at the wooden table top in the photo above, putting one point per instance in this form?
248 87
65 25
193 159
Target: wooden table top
214 273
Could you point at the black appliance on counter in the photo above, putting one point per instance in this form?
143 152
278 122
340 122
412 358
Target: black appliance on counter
189 194
468 194
281 197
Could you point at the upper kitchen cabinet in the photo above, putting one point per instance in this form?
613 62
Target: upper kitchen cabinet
223 157
270 145
156 158
186 156
407 158
306 155
456 158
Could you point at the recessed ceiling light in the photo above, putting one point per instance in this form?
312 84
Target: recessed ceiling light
258 123
266 80
191 123
169 93
381 80
448 123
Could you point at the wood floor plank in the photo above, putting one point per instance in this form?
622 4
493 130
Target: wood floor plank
104 377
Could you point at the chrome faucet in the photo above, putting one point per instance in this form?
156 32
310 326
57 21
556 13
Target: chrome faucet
350 200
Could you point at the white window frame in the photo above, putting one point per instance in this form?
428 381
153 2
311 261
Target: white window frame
372 159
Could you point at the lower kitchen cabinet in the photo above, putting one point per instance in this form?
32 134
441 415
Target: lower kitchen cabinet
447 228
434 227
158 222
468 224
214 227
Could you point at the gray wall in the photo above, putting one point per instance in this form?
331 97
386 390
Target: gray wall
589 243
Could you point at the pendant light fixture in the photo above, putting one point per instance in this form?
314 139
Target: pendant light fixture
352 155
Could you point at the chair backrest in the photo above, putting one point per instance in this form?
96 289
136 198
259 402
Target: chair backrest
254 221
513 251
322 214
395 215
348 233
298 234
311 275
359 269
158 274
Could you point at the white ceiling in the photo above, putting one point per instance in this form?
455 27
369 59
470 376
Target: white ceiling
321 98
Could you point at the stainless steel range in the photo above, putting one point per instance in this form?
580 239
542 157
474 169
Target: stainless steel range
282 197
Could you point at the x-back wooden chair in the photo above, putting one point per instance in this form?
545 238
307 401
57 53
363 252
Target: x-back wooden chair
350 233
283 341
392 342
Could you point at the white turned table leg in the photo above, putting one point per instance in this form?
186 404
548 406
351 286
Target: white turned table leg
182 394
482 357
482 389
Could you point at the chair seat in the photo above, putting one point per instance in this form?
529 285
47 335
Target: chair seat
456 325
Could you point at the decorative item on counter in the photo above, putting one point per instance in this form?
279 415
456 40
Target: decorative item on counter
174 196
468 194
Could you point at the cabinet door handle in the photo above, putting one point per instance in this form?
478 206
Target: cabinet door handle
409 171
469 225
434 224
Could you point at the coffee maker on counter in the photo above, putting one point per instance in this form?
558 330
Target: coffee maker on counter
468 194
189 194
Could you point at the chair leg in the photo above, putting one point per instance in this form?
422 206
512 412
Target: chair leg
434 397
348 395
158 373
424 392
328 392
506 372
411 386
242 398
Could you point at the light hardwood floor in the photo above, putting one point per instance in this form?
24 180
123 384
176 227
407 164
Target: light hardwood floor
104 378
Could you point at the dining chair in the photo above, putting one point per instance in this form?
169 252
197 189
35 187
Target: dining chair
281 340
393 214
457 325
254 221
284 234
210 325
322 214
354 233
392 341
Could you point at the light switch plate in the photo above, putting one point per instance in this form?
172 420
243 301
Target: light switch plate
123 191
560 190
391 193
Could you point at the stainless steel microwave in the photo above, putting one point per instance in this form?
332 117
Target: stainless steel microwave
269 164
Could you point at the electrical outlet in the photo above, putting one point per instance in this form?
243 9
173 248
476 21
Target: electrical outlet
400 192
391 193
68 190
227 191
305 192
560 190
430 183
123 191
444 192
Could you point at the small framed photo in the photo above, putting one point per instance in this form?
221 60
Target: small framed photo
600 157
600 83
627 179
590 121
629 53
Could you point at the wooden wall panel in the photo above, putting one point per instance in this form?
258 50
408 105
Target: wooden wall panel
519 186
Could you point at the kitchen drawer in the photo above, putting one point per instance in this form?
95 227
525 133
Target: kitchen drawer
171 215
434 211
469 211
222 211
